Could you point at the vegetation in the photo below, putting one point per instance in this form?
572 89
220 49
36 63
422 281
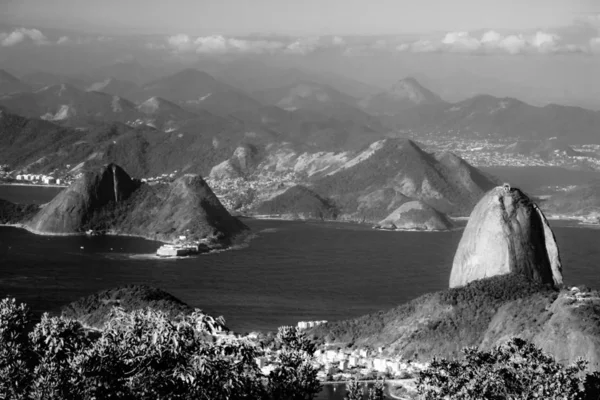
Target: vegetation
516 370
95 310
299 200
144 354
11 213
355 391
444 322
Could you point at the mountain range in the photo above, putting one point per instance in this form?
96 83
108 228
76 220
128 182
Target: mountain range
303 107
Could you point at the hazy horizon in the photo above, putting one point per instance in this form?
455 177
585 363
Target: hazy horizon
538 51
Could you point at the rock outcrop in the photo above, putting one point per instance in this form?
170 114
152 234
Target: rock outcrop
416 215
68 212
506 233
110 201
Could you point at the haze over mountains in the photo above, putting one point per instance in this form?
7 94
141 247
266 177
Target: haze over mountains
338 144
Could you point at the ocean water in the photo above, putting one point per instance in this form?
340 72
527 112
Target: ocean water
289 271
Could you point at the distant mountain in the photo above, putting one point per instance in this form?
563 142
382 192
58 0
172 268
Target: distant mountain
194 89
406 93
11 84
109 200
254 75
165 115
113 86
41 79
129 71
309 95
488 116
322 107
394 171
194 147
65 103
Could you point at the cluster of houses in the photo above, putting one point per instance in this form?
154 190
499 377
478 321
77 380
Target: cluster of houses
45 179
310 324
163 178
340 364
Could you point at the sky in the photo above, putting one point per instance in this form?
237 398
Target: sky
298 17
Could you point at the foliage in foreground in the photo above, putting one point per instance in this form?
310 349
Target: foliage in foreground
516 370
355 391
144 354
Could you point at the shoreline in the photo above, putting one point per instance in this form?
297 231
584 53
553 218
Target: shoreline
243 240
34 185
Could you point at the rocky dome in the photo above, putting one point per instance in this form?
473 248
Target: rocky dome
416 215
506 233
68 211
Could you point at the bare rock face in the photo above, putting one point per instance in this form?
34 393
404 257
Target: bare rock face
506 233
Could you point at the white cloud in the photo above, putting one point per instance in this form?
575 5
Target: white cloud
461 41
63 40
492 42
595 45
20 35
181 42
219 44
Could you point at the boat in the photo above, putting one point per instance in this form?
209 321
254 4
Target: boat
176 250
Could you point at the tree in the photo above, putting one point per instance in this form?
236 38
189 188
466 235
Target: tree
145 354
295 378
516 370
376 392
354 390
14 349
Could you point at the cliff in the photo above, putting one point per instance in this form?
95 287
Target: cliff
416 215
506 233
110 201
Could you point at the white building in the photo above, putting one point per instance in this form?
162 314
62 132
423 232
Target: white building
19 177
380 364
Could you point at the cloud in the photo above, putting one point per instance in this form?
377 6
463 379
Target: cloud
595 45
219 44
21 35
63 40
492 42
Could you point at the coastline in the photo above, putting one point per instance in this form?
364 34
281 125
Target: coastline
236 242
34 185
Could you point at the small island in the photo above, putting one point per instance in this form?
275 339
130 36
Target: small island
184 214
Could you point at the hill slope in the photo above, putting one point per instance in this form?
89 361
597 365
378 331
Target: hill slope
484 313
488 116
299 202
109 200
404 94
583 200
11 84
415 215
94 310
195 89
377 182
